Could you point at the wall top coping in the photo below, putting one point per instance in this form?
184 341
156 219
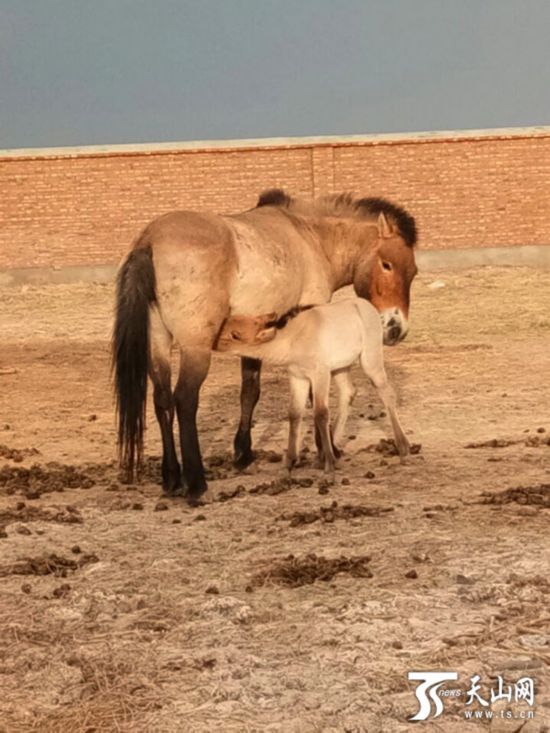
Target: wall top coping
214 146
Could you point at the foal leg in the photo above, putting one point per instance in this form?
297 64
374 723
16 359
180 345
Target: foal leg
321 389
160 373
299 391
373 366
346 393
194 366
250 394
320 462
319 445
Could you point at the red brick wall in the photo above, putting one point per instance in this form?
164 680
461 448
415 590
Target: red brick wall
59 209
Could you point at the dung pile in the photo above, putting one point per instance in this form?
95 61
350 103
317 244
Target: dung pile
37 480
294 572
328 514
51 564
537 495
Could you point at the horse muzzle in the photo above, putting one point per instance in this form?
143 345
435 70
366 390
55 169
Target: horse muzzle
394 325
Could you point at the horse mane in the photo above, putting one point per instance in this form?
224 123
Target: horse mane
274 197
281 321
344 205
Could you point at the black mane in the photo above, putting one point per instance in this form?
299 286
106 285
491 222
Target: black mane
402 219
281 321
274 197
345 204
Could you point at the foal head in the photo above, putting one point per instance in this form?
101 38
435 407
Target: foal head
252 330
384 273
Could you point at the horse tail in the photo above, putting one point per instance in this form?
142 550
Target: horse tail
135 292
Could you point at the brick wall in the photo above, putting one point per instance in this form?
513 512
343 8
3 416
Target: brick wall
84 206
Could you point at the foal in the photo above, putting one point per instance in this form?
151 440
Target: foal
315 343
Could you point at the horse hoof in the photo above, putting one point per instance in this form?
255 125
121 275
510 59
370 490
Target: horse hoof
291 461
173 488
171 479
330 475
174 491
195 492
243 460
205 498
404 452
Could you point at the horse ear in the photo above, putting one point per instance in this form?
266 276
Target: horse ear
266 334
384 229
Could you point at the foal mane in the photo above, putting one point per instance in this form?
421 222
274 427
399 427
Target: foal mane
344 205
281 321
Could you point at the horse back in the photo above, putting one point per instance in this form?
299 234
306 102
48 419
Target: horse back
330 335
187 230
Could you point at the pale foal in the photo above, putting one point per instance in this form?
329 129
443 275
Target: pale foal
317 343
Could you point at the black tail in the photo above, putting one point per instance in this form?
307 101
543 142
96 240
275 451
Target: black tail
135 291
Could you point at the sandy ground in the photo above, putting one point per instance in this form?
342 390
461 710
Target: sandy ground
273 609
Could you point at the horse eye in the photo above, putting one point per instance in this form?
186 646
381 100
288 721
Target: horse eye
235 335
387 265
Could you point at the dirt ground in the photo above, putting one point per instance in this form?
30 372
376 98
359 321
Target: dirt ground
294 608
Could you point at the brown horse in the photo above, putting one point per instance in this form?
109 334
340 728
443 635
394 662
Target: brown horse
187 272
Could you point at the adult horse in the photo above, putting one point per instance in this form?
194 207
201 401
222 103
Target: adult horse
187 272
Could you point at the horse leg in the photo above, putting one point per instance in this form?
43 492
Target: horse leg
299 391
194 366
346 393
319 445
160 374
373 366
250 394
320 462
321 389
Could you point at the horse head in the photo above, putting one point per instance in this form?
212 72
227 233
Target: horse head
384 276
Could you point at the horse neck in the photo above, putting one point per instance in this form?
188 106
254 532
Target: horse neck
344 242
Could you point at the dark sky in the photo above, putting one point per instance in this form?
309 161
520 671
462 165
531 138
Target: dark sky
76 72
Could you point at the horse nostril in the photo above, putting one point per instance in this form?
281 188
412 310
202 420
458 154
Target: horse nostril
392 322
394 333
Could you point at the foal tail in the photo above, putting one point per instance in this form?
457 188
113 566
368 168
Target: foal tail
135 291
